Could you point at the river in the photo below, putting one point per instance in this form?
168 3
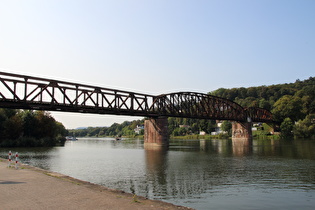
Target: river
202 174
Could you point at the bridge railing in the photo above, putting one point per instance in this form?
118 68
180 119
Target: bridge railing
26 92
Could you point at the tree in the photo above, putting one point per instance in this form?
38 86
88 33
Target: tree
28 128
30 123
288 106
263 103
286 128
13 127
227 127
305 128
3 118
195 128
221 92
206 125
252 92
46 124
61 130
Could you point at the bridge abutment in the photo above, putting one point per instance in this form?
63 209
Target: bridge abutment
242 131
156 132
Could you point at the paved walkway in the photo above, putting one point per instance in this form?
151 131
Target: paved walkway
33 188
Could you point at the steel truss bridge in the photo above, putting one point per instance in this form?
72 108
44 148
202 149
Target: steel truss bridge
27 92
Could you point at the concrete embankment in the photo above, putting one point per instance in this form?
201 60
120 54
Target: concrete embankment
34 188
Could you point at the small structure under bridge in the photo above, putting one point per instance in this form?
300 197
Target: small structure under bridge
34 93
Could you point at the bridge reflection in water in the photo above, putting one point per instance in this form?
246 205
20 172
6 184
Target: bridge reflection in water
165 169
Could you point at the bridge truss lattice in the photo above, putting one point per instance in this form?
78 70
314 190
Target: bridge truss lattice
34 93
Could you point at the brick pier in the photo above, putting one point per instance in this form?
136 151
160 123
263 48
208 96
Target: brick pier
156 132
242 131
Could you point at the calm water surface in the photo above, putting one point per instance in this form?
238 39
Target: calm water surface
202 174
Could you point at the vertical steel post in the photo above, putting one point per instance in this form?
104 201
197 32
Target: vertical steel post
132 96
115 106
97 95
64 95
41 94
25 89
76 95
53 92
14 90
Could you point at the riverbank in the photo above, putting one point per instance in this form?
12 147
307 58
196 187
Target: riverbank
34 188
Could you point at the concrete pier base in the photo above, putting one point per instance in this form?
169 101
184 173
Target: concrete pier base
242 131
156 132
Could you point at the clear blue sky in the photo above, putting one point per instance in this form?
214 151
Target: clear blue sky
158 46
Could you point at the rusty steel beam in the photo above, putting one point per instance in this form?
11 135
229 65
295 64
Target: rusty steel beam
258 114
198 105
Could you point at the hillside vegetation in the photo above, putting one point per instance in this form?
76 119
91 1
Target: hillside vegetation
293 106
268 96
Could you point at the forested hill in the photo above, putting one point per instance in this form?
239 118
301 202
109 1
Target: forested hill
292 105
267 96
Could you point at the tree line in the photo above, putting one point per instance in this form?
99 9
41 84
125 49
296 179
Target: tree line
25 128
124 129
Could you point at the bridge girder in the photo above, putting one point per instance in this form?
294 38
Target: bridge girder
198 105
257 114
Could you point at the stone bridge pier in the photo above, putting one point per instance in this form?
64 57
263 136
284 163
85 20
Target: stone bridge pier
156 132
242 131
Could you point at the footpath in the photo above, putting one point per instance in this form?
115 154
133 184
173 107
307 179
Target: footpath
33 188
